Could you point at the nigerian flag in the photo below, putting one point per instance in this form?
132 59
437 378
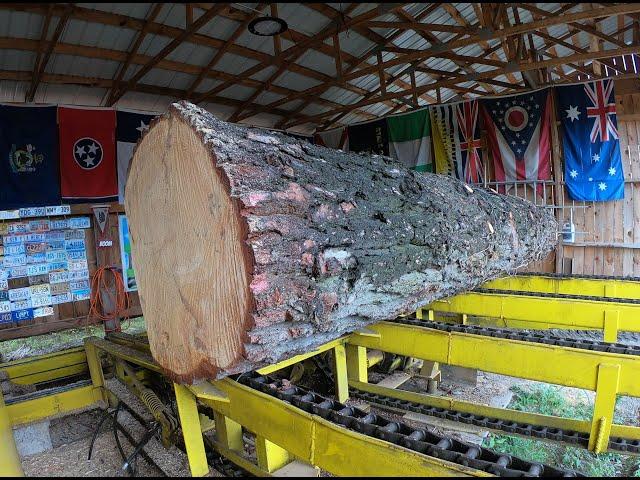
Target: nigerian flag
410 139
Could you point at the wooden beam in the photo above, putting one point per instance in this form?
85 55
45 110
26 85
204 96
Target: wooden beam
292 54
43 40
522 66
138 59
40 67
354 64
337 55
188 14
154 10
175 43
383 81
223 49
277 44
416 26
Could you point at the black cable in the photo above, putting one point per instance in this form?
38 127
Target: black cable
147 437
115 434
105 414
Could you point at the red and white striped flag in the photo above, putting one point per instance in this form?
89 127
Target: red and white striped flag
519 135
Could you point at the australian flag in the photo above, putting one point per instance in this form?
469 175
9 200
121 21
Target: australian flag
29 168
592 162
518 133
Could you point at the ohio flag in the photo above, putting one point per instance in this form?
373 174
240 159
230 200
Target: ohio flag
592 162
518 132
456 140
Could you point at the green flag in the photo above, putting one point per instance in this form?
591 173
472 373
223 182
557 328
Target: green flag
410 139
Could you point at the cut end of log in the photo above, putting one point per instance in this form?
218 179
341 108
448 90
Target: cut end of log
251 247
192 273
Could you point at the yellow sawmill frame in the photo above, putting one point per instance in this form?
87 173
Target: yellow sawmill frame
524 311
332 447
592 287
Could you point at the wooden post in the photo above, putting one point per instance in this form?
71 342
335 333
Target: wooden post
108 256
558 192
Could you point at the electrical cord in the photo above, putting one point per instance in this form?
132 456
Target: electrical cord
99 287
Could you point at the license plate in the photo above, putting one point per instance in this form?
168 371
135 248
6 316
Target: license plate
74 244
82 295
76 265
62 298
18 294
79 285
42 289
54 256
79 222
74 235
54 266
16 249
39 279
59 288
35 237
17 272
21 227
40 301
38 269
36 247
58 277
22 315
58 210
21 305
78 275
13 239
4 285
39 226
59 224
5 306
76 254
32 212
5 317
37 257
54 236
42 312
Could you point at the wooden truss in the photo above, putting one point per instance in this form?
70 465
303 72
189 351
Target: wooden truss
386 74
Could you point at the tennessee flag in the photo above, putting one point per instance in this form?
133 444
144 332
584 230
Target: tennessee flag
87 155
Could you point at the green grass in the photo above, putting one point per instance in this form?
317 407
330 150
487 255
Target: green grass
52 342
549 400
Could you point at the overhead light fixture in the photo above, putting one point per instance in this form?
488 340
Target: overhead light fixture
267 26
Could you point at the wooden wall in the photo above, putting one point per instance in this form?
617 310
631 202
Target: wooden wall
75 314
610 244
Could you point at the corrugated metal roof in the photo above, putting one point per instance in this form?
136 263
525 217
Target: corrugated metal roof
111 42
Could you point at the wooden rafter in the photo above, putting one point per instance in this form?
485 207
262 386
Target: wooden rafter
43 40
292 54
205 18
522 66
277 44
240 29
42 64
154 10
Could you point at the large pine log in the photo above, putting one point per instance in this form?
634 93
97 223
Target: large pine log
251 246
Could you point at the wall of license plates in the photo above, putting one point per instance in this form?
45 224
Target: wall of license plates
43 263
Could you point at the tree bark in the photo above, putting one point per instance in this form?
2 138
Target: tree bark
251 246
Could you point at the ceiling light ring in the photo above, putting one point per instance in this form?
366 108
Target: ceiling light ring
271 26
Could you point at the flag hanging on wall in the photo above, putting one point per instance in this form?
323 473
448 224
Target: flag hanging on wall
29 169
369 137
456 140
592 161
519 136
87 155
336 138
410 139
129 129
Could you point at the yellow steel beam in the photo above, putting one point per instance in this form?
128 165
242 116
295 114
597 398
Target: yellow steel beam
271 457
340 373
10 466
48 367
324 444
605 404
592 287
298 358
191 430
539 312
357 363
46 406
534 361
238 459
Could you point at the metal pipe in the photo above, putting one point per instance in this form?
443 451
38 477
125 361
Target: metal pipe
10 465
374 357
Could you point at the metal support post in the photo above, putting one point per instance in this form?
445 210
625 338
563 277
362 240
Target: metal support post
611 325
95 369
271 457
357 363
431 370
603 409
228 432
191 431
340 372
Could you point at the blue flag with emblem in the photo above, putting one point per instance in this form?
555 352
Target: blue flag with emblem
29 167
593 165
130 126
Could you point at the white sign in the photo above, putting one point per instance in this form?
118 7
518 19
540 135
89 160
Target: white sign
42 312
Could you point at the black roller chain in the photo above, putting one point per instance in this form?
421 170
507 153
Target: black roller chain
418 440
